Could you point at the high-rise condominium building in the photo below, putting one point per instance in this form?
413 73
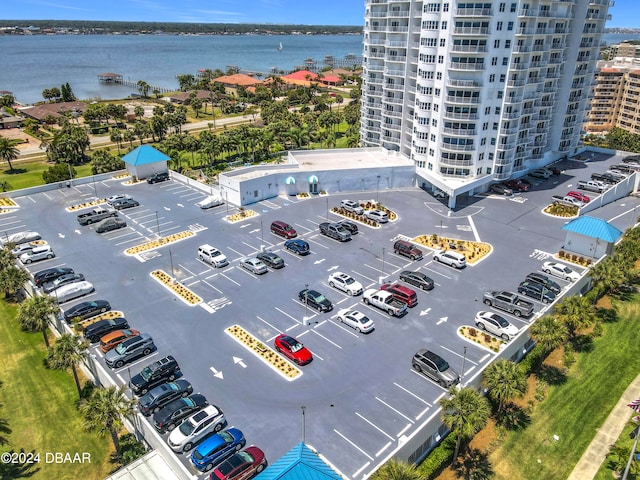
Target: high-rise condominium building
474 92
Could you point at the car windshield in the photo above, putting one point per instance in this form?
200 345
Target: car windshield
503 323
441 365
363 319
296 347
186 428
349 280
120 349
320 298
146 373
567 270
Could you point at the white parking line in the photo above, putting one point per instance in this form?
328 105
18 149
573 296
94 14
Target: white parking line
264 321
357 472
231 279
186 270
353 445
473 228
237 252
291 317
393 409
419 416
461 356
215 288
412 394
381 451
375 426
401 432
364 276
331 342
143 359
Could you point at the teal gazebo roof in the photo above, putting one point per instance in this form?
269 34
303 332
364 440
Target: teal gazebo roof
594 228
144 155
299 463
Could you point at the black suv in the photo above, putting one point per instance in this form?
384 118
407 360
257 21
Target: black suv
49 275
544 281
97 330
164 370
537 291
158 177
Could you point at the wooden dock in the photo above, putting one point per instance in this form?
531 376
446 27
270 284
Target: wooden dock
118 79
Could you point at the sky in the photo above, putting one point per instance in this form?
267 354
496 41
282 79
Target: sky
625 13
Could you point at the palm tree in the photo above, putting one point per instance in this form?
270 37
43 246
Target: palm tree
608 275
12 279
505 381
465 413
549 333
105 410
34 314
8 151
576 312
68 351
396 470
4 428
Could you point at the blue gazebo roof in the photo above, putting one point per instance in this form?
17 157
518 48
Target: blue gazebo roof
144 155
299 463
593 228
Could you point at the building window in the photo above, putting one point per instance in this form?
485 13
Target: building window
485 126
507 44
496 44
433 137
483 141
502 7
429 42
445 7
440 59
443 42
514 7
432 7
505 61
434 122
437 92
438 75
430 166
494 61
510 26
490 156
503 77
443 25
492 78
430 25
499 26
432 153
487 110
495 127
493 141
497 111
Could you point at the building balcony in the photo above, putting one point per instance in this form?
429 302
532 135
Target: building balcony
460 116
519 66
460 131
394 100
457 148
397 29
374 117
521 48
394 72
507 146
372 128
399 13
395 58
524 31
393 87
473 84
509 131
391 139
511 115
474 12
466 66
516 83
471 31
462 100
373 105
469 48
392 113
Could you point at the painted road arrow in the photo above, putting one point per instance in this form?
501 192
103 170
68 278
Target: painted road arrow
335 267
239 361
255 230
442 319
319 261
424 312
61 235
180 205
216 373
167 209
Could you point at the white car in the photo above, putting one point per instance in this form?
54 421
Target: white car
72 290
118 196
20 237
352 206
346 283
254 265
560 270
210 201
377 215
27 247
494 323
356 320
43 252
195 428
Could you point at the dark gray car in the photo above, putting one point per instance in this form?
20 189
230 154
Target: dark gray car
435 367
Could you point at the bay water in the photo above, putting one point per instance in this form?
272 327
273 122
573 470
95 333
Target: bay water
31 63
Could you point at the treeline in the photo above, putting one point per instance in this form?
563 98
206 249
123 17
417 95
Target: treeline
102 27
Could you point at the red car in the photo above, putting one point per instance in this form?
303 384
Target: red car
243 465
579 196
517 185
292 349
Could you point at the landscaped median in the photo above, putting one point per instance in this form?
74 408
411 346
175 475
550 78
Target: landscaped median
7 203
482 339
161 242
242 215
263 352
473 251
180 290
80 206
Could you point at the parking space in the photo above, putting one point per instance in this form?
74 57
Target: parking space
360 392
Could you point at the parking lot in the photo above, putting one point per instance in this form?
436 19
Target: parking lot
360 395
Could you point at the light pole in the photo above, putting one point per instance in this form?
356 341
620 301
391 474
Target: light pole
303 408
327 209
95 190
261 234
306 303
173 273
383 249
636 433
157 225
464 360
378 190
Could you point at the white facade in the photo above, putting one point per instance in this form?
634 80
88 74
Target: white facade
474 92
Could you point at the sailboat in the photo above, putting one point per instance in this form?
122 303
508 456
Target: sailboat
280 47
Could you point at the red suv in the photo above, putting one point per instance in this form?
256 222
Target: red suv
402 293
283 229
517 185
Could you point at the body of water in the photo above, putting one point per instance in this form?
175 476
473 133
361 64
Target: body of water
30 64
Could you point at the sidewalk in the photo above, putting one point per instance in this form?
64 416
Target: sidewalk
605 436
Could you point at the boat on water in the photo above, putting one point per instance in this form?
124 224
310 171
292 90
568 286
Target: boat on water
280 47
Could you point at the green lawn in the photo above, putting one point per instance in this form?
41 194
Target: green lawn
30 174
39 406
576 409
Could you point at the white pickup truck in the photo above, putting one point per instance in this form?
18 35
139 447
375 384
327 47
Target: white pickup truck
384 301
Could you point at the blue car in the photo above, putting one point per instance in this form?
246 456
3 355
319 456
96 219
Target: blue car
297 246
216 448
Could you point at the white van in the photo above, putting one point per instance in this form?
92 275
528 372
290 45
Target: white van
212 256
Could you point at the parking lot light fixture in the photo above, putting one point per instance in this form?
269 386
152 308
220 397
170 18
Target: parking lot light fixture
383 250
173 273
157 225
306 304
303 408
464 360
